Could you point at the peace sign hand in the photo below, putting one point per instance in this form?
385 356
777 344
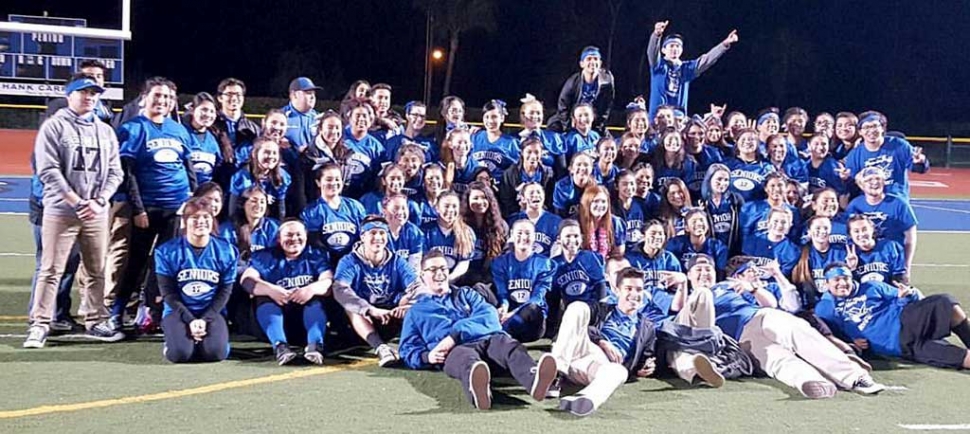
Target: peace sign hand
851 258
918 156
659 27
842 171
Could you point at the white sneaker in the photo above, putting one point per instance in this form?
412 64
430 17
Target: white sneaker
706 371
480 385
865 385
36 337
386 355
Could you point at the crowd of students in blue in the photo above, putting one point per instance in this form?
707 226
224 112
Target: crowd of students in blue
331 219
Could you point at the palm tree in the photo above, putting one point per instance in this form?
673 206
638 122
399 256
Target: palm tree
454 17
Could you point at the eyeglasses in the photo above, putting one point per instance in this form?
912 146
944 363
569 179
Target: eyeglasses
436 270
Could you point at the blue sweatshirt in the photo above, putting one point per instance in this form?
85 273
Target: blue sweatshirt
462 314
871 311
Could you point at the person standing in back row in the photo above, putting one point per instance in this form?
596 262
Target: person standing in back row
77 161
670 76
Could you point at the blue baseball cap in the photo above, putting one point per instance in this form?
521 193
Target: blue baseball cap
303 83
81 84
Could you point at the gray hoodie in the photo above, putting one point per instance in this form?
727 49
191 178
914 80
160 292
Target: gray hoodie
76 154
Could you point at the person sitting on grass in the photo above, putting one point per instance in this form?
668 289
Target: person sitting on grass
288 283
375 285
601 348
895 321
453 328
522 278
195 277
783 346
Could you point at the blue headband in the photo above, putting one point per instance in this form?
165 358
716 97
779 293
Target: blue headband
673 38
376 224
869 118
591 51
765 117
836 272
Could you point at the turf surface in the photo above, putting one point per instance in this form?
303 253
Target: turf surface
351 394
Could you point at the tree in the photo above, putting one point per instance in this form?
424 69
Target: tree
455 17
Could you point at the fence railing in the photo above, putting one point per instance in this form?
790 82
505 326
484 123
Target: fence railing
945 151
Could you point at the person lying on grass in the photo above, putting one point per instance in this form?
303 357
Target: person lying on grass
455 329
895 321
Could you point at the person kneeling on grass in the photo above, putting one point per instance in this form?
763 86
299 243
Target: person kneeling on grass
601 352
785 347
454 328
895 321
195 277
375 285
288 283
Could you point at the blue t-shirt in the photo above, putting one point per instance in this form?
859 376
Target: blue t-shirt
663 174
263 236
382 285
894 157
552 146
465 175
290 274
427 211
872 312
748 179
684 250
198 274
824 176
426 143
620 329
578 280
651 267
589 91
704 160
818 260
338 228
436 239
362 165
497 155
301 131
575 142
732 312
373 203
409 241
886 259
161 153
565 197
670 83
547 230
892 217
754 219
634 219
762 251
838 235
723 217
204 154
520 282
243 179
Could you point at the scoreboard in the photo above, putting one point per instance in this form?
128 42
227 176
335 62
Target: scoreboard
53 58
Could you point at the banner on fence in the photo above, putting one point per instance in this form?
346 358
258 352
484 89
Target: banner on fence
49 90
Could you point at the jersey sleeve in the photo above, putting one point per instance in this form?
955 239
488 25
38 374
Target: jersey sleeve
130 140
228 272
262 261
346 271
500 278
164 262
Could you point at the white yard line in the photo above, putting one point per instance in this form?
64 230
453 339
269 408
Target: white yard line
937 427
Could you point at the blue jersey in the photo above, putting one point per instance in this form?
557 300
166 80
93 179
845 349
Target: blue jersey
620 329
263 236
552 146
892 217
382 285
301 131
885 260
824 176
796 169
520 282
724 217
465 175
290 274
748 179
338 228
818 260
575 142
547 230
436 239
665 174
704 159
409 241
426 143
634 220
839 235
754 219
427 212
894 157
684 250
651 267
606 179
762 251
199 274
565 197
204 154
161 154
362 165
497 155
871 311
580 279
670 83
243 179
732 312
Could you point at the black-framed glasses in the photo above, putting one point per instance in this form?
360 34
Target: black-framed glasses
436 270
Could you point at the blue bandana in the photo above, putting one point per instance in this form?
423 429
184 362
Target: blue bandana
836 272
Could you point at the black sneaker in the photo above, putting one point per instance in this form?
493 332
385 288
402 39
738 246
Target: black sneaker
103 332
545 373
313 353
66 325
284 355
865 385
577 405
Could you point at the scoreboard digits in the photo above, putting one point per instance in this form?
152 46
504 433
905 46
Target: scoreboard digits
54 57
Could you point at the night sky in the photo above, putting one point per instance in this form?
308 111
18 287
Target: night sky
906 58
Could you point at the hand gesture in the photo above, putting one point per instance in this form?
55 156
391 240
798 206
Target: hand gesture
279 295
918 156
718 111
659 27
141 221
440 352
197 328
649 366
382 315
731 38
773 268
400 311
302 295
450 174
611 352
904 290
640 101
851 258
752 124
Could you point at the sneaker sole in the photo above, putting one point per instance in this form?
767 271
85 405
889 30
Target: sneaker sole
286 359
545 374
818 390
35 344
113 338
479 380
706 371
580 406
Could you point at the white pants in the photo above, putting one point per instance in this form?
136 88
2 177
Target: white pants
789 350
582 361
698 312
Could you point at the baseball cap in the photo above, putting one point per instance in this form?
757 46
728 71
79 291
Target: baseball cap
81 84
744 267
700 258
303 83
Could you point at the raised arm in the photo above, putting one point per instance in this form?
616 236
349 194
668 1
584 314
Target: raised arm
653 47
708 59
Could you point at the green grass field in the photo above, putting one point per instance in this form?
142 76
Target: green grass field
80 387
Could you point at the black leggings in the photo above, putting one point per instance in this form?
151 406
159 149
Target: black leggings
163 225
181 348
925 324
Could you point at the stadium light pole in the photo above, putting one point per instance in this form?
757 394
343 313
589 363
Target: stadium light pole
427 59
436 55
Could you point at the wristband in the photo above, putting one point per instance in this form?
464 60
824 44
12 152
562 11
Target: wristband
100 201
80 204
